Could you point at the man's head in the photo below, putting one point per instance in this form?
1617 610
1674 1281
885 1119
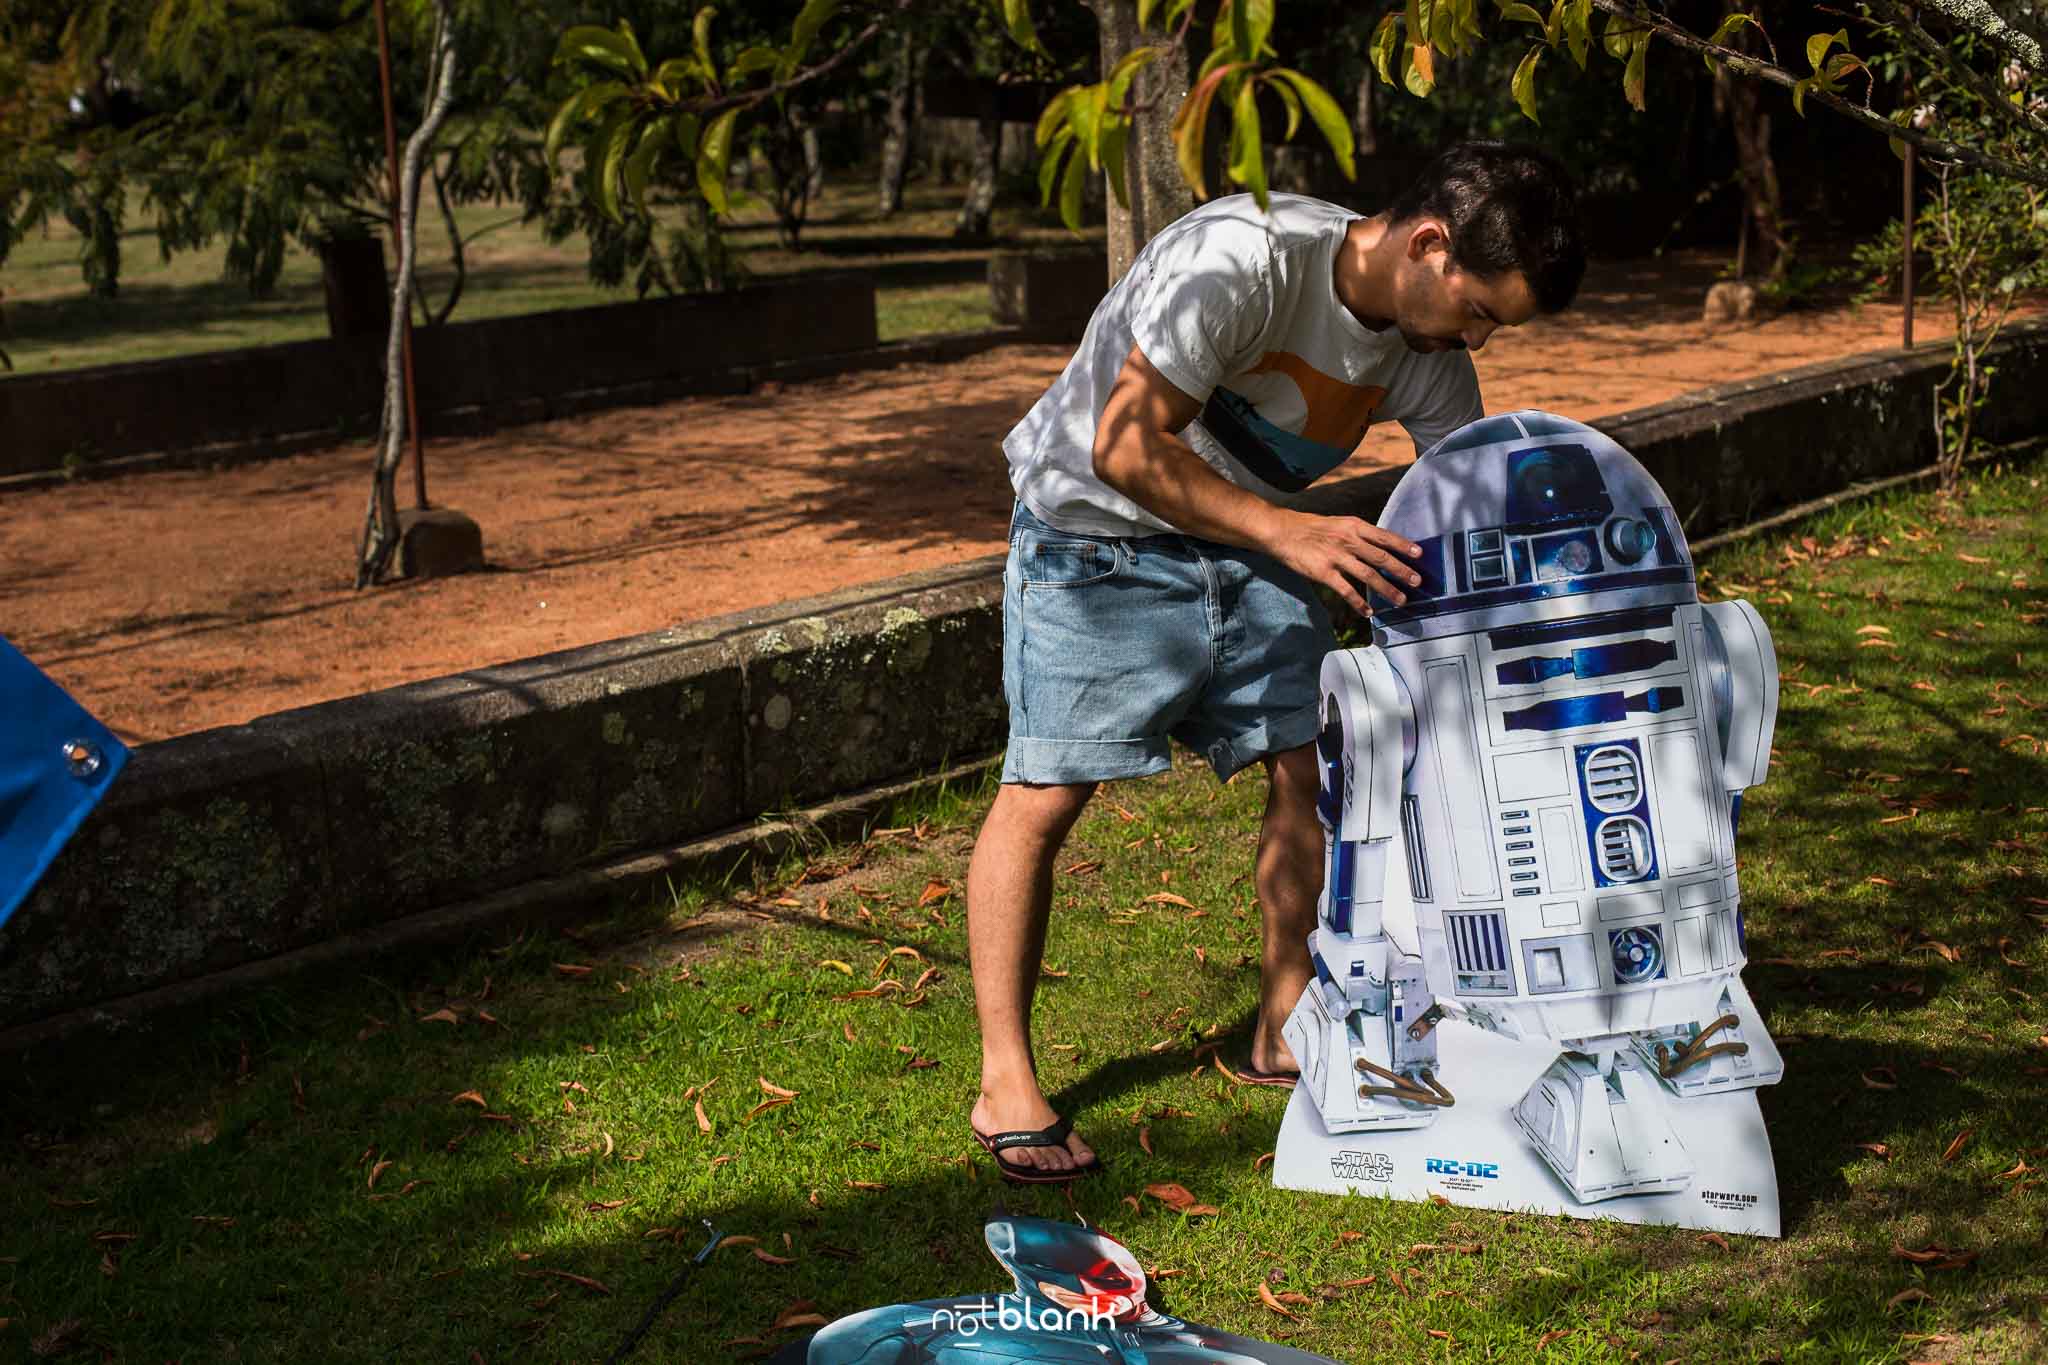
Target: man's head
1486 237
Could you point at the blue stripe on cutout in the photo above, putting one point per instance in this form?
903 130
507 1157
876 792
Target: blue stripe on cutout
1581 627
1524 593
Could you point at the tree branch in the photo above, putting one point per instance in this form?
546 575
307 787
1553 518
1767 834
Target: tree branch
1980 85
1987 23
749 98
1744 65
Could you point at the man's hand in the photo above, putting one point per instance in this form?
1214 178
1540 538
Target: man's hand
1347 553
1139 453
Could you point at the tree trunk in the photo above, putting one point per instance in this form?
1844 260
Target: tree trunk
973 223
1364 128
380 522
896 124
1158 195
1762 205
814 162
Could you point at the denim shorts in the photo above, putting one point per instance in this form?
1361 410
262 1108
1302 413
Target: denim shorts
1111 646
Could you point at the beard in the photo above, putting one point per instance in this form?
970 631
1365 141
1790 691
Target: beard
1429 345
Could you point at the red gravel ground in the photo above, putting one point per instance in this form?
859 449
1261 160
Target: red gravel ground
173 602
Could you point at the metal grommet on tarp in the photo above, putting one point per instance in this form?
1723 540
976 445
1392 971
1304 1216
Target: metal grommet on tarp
56 762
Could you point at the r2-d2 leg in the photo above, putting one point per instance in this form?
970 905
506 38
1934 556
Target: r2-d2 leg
1363 1032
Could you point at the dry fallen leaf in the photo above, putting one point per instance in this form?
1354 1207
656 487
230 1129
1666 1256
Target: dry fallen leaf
1877 1149
836 965
605 1205
772 1102
1956 1145
584 1281
1266 1297
573 969
1145 1139
768 1087
1915 1295
470 1097
1430 1248
797 1316
933 893
376 1171
703 1120
1881 1078
770 1258
1260 1164
441 1016
1555 1334
1716 1239
1168 898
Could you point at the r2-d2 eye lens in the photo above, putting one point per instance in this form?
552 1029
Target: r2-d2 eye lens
1629 539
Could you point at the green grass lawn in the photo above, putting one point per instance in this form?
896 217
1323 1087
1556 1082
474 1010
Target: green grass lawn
925 281
505 1152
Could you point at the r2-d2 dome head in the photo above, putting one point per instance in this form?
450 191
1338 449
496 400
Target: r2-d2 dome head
1525 515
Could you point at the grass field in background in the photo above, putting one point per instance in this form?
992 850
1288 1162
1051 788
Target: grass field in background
504 1152
925 281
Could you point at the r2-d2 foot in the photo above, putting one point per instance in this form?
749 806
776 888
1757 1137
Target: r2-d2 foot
1604 1126
1364 1037
1730 1050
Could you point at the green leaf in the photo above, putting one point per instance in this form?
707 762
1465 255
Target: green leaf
671 71
1247 146
802 34
1241 30
1523 14
1523 86
1289 101
700 36
1070 192
1145 8
1618 37
1326 114
633 52
640 165
1017 18
1420 75
1726 31
1633 78
1125 71
1191 126
755 58
1898 146
1817 46
590 43
1049 163
714 154
1055 114
1386 40
1090 115
1578 30
1843 64
583 103
1115 145
1799 89
604 153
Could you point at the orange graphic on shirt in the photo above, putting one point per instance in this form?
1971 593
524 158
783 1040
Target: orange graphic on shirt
1338 413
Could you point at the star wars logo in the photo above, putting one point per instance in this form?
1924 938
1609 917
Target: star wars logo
1362 1166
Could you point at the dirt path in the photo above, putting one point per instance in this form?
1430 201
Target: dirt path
174 602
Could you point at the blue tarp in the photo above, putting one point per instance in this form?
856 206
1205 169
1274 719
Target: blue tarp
56 762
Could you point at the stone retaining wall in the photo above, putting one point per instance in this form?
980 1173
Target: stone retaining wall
237 845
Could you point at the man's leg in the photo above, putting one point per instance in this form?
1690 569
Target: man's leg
1289 880
1009 899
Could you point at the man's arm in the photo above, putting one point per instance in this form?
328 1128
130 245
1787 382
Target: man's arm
1139 453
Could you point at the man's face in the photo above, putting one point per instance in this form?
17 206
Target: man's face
1439 307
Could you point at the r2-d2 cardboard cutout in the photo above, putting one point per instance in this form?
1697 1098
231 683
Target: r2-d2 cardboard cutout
1528 954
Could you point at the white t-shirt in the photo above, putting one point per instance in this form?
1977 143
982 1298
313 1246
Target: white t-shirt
1239 309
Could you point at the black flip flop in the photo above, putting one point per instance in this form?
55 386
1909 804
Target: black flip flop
1054 1134
1251 1075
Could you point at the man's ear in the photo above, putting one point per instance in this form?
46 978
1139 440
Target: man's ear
1427 236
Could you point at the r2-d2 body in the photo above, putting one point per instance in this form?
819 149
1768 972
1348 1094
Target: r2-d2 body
1553 736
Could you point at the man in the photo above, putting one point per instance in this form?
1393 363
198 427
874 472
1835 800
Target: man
1157 587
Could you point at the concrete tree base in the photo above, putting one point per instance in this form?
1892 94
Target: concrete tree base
434 542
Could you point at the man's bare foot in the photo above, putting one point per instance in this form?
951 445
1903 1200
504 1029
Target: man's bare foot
1270 1052
1024 1108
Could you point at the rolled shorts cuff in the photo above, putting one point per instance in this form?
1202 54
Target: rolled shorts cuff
1276 736
1064 762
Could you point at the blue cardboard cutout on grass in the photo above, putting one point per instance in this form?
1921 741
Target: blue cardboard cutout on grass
56 762
1077 1295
